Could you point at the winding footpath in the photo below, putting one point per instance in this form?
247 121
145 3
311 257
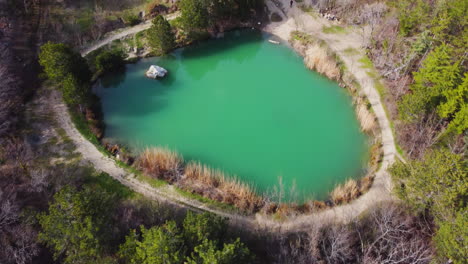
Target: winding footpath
122 33
293 19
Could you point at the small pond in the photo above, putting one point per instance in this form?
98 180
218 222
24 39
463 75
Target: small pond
242 105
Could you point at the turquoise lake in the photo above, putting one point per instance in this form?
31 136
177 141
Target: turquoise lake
242 105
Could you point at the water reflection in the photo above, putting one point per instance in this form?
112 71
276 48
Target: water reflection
213 50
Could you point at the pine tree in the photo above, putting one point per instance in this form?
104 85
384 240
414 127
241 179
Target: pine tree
160 36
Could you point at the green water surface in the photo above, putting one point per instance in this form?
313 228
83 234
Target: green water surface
243 105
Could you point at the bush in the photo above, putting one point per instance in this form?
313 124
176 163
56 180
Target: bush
109 60
131 19
438 183
452 238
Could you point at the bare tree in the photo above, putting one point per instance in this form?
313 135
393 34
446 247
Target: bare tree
9 211
397 238
337 244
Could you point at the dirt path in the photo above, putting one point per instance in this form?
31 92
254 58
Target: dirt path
352 39
122 33
295 20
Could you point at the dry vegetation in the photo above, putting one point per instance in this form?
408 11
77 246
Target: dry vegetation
385 234
365 116
161 163
316 57
216 185
165 164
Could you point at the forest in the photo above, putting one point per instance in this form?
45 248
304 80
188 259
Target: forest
56 208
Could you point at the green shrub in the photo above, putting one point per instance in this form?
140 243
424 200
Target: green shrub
452 238
109 60
131 19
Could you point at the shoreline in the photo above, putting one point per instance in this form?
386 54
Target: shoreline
343 192
381 185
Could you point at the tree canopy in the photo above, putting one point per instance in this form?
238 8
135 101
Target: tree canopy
438 182
158 245
59 60
160 36
200 240
74 225
68 70
438 85
194 14
109 60
452 238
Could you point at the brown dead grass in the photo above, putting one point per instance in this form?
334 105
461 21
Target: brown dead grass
365 183
317 58
345 193
160 163
217 185
366 118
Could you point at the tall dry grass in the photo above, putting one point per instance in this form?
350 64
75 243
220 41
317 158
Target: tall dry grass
345 193
217 185
160 163
366 118
317 58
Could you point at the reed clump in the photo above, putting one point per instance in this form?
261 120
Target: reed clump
160 163
345 193
317 58
216 185
365 116
365 183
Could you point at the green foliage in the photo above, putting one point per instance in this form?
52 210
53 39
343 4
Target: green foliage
158 245
194 14
67 69
455 106
437 183
59 60
160 36
73 91
438 85
411 14
201 240
131 19
198 227
74 224
231 253
452 238
109 60
445 20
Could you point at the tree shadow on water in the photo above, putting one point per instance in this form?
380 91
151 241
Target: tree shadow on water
113 79
215 47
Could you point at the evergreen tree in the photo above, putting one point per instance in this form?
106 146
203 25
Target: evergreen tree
438 85
231 253
160 36
158 245
437 183
73 225
452 238
59 60
68 70
194 14
198 227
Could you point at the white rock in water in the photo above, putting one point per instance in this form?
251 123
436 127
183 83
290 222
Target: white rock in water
156 71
